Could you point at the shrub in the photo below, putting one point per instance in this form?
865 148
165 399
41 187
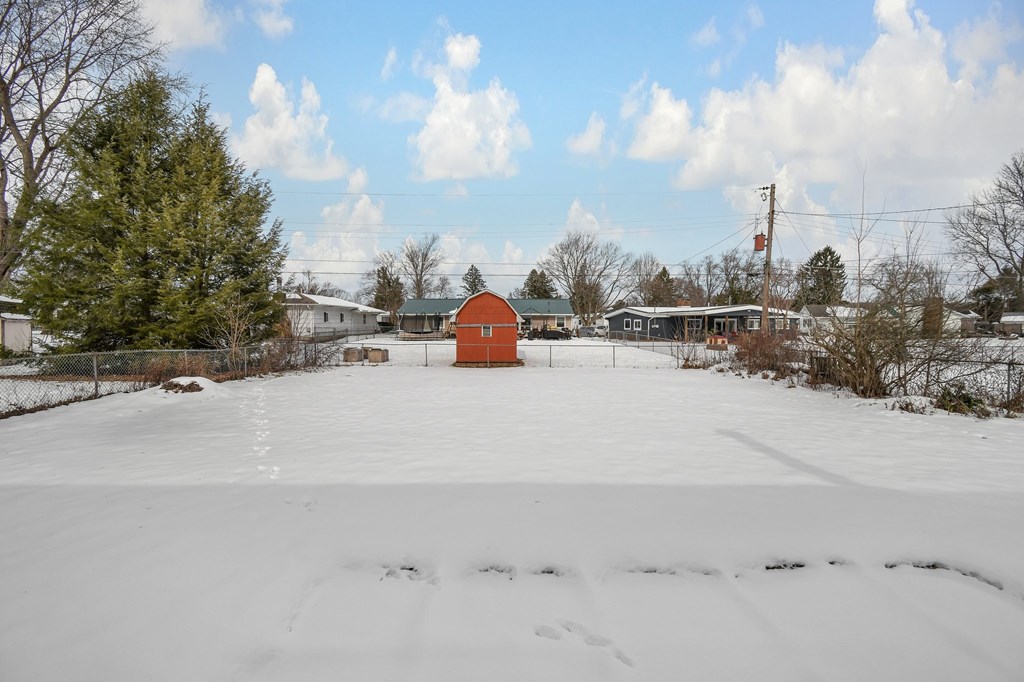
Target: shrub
956 398
767 353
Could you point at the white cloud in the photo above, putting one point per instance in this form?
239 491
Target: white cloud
270 17
347 240
405 106
467 133
390 64
663 132
754 16
185 24
922 134
277 136
983 42
580 218
633 100
706 36
588 143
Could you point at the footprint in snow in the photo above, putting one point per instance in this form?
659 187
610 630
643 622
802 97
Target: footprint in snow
578 631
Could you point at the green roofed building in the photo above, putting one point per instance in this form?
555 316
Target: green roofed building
433 315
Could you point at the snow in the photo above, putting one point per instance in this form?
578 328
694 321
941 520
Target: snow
397 521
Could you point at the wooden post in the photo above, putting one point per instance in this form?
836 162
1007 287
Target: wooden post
95 377
768 261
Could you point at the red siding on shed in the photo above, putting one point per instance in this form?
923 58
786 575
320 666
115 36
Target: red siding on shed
471 346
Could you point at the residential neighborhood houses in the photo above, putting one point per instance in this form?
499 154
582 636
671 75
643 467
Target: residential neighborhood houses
326 318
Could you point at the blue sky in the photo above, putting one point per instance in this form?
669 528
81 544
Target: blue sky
502 125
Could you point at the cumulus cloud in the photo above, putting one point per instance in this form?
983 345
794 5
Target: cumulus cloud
185 24
580 218
467 133
982 42
390 64
706 36
896 111
270 17
663 132
346 241
588 143
278 136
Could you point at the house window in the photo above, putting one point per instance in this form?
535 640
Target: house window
753 323
325 317
485 331
364 318
341 317
559 321
627 324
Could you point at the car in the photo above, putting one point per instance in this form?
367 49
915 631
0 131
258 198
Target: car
587 332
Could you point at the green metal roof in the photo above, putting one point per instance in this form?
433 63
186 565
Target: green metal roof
430 306
541 306
524 306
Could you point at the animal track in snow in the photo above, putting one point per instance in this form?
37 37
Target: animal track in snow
580 632
554 571
671 569
506 571
940 566
270 472
408 570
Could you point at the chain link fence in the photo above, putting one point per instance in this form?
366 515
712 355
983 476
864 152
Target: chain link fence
38 382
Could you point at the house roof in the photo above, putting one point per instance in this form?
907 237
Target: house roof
488 291
525 307
15 316
697 311
8 299
1012 318
293 298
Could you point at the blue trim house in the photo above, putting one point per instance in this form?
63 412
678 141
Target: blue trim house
694 323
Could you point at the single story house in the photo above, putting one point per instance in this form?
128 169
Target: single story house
326 317
486 330
694 323
1011 323
819 316
434 315
15 328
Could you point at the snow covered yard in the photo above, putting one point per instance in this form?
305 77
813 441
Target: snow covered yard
432 523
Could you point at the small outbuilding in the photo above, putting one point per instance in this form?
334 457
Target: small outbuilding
486 331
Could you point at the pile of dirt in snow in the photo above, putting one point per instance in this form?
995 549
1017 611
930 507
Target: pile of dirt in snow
188 385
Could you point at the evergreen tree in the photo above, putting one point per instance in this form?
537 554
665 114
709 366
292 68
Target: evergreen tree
473 282
821 280
536 285
161 234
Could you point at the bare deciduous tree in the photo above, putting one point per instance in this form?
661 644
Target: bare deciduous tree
59 59
381 286
989 234
420 262
592 273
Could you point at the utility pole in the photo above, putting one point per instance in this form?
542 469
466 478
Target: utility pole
768 259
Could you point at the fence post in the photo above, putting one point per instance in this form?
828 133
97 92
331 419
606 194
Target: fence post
488 347
426 357
245 363
613 356
185 370
95 377
549 356
1009 383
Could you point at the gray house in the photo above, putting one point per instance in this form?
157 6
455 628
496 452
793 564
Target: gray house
694 323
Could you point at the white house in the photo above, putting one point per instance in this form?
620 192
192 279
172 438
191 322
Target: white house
15 329
326 317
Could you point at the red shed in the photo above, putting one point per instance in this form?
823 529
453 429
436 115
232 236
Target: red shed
485 330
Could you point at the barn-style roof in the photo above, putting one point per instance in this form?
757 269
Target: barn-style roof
526 307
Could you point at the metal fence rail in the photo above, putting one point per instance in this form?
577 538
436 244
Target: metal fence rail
38 382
